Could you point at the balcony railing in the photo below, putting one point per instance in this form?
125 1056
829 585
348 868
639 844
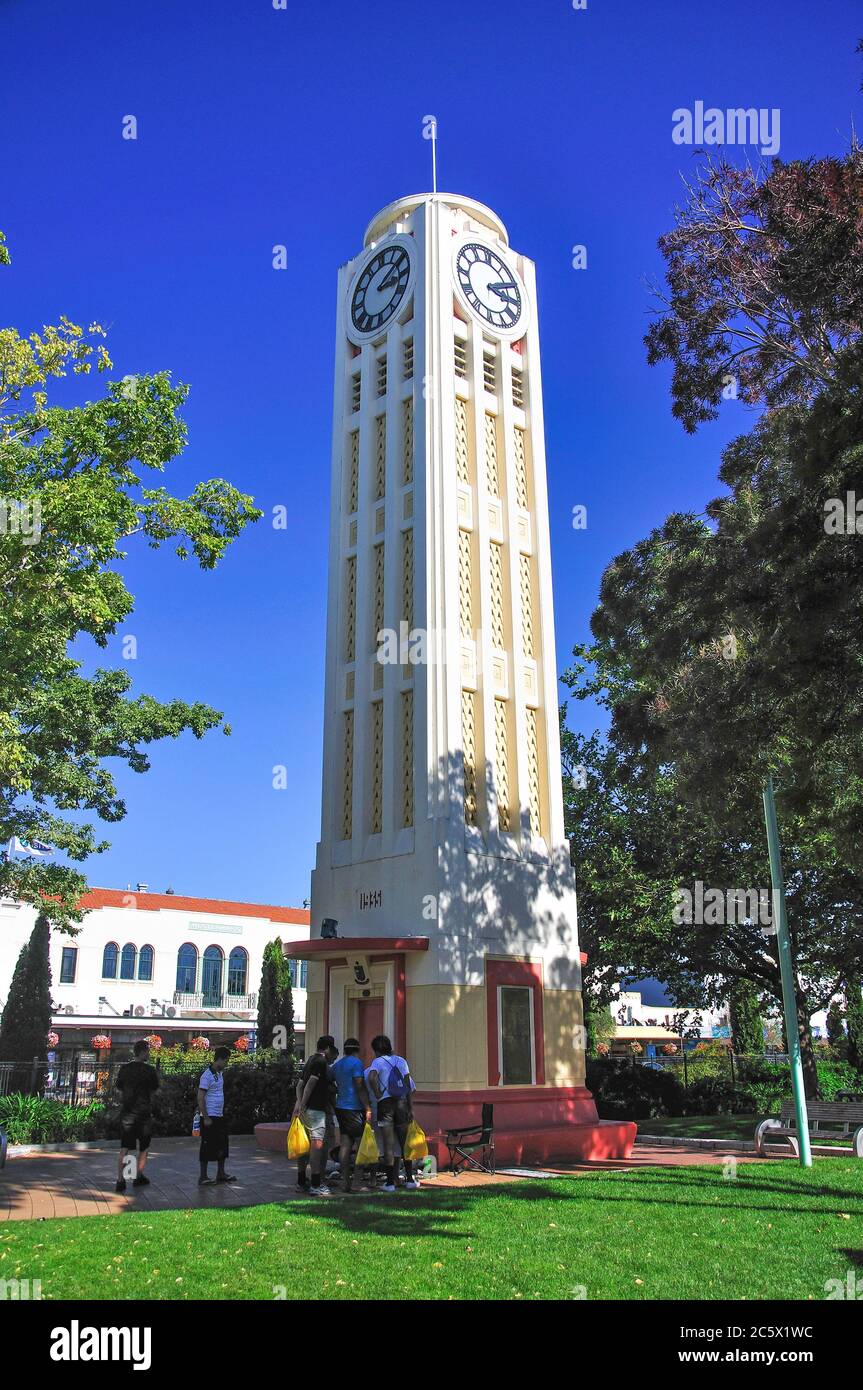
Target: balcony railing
231 1003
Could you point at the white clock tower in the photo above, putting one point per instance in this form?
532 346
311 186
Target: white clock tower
443 901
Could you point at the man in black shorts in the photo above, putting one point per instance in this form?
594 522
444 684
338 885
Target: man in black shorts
353 1110
136 1082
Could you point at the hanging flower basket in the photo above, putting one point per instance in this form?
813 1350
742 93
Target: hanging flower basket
670 1049
636 1049
242 1044
153 1041
200 1044
602 1049
53 1039
101 1043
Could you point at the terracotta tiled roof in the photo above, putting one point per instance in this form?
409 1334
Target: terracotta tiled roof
156 902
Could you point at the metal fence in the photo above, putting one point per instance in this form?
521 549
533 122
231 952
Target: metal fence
690 1066
75 1079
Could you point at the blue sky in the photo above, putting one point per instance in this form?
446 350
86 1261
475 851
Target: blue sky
259 126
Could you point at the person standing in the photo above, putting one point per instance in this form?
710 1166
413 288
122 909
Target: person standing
136 1081
313 1099
353 1110
214 1124
391 1082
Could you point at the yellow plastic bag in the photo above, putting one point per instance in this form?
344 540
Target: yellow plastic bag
298 1139
415 1143
367 1153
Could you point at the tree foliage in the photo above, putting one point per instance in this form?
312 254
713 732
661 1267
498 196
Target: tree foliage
276 999
764 283
76 492
27 1013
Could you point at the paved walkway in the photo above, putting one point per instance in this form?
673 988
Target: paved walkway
81 1183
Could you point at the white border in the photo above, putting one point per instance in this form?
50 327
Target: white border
508 258
397 238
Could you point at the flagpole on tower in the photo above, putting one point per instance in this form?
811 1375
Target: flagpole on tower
434 156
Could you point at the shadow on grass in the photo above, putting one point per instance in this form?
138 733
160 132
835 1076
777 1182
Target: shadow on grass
442 1211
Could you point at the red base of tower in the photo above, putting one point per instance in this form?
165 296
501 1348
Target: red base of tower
531 1124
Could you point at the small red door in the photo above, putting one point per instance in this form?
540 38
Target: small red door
370 1022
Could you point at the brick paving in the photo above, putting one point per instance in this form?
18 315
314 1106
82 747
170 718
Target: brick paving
81 1182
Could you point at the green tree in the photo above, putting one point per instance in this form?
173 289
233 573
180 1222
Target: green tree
276 1000
747 1023
836 1029
854 1019
27 1015
76 496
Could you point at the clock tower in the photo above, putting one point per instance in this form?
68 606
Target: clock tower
443 901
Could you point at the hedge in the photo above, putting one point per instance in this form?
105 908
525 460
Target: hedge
624 1091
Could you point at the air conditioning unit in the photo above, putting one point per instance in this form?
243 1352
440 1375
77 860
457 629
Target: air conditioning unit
171 1011
69 1008
139 1010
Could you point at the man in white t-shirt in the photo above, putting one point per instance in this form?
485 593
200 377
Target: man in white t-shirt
391 1084
214 1125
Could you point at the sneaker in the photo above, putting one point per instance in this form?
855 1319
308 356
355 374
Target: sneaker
141 1181
320 1191
411 1186
388 1187
120 1185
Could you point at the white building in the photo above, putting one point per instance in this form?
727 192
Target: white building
157 963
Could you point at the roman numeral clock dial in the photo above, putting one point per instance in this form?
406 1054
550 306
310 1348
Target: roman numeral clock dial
380 289
489 288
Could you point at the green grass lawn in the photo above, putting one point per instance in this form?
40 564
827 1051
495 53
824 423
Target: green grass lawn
713 1127
774 1231
703 1126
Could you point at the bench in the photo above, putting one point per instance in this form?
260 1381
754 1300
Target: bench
828 1121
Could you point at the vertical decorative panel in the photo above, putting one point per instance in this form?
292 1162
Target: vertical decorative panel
353 472
408 577
533 772
351 608
377 594
501 764
461 453
520 470
465 583
496 593
408 442
348 775
527 627
407 757
492 479
380 456
468 739
377 766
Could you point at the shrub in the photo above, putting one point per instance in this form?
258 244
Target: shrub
715 1095
626 1092
41 1120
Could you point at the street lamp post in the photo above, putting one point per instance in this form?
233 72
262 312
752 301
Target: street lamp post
786 970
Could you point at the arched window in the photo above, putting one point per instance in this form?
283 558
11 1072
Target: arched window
187 968
128 956
110 956
211 977
238 969
145 963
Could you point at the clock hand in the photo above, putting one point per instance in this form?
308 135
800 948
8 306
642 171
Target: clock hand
390 282
504 289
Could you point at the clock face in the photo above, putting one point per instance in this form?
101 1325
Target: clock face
493 291
380 288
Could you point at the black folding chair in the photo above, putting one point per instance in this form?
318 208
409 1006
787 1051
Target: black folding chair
473 1147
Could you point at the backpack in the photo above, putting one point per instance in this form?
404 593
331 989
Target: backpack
397 1086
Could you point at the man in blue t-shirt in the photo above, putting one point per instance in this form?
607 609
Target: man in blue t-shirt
353 1110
